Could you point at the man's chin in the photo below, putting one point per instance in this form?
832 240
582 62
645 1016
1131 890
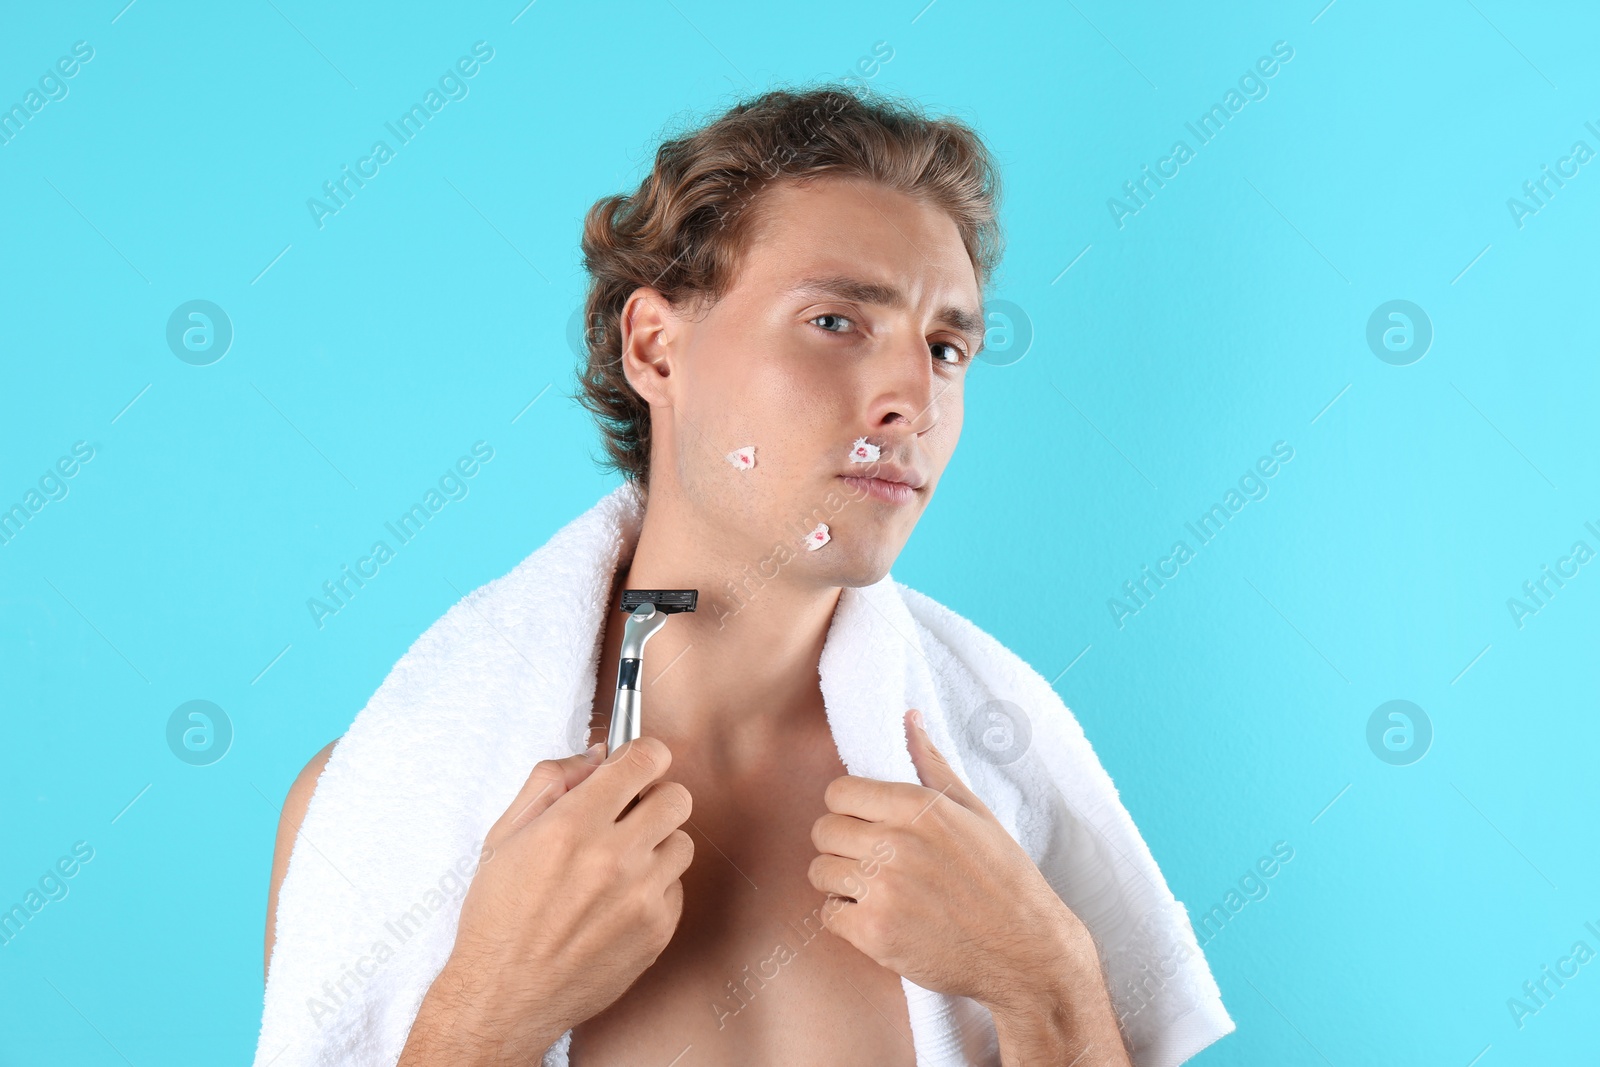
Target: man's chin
851 566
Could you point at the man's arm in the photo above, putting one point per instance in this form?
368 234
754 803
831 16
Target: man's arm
294 813
1061 1012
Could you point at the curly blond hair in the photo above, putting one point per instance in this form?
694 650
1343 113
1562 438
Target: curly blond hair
683 231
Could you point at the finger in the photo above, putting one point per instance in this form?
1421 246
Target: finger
623 775
872 800
839 876
839 912
932 768
546 783
842 918
844 835
671 858
662 808
673 895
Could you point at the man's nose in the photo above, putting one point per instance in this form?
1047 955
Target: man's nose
911 389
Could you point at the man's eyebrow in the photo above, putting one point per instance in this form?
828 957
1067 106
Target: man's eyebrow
844 287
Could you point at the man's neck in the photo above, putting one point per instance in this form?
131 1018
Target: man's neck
742 667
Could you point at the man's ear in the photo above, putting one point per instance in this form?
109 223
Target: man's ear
650 331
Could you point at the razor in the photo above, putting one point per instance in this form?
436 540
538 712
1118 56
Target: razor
647 612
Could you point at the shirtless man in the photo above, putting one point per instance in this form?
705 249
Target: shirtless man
855 311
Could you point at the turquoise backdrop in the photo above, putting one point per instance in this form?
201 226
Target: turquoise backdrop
1378 259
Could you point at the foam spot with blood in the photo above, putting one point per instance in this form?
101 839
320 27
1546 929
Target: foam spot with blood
818 537
743 458
863 451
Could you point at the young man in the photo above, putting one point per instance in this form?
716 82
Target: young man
784 318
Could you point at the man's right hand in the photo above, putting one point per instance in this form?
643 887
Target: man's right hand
570 904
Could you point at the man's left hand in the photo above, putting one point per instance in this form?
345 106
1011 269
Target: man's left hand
926 881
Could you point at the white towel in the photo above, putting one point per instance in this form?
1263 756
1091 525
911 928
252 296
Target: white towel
368 908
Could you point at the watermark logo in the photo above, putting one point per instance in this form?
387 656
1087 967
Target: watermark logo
581 339
1399 733
1399 332
199 332
1008 333
199 733
999 731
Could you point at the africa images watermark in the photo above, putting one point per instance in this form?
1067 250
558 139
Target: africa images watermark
868 67
452 86
452 486
1537 994
1532 202
740 992
52 87
1252 86
1252 486
1538 592
52 885
451 886
1140 993
1252 887
52 486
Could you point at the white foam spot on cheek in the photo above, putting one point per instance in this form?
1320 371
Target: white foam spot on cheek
743 458
863 451
818 537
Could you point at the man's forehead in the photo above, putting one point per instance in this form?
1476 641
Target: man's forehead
831 217
849 203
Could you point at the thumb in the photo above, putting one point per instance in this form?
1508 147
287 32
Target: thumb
546 784
934 770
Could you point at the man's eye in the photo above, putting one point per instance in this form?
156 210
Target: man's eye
956 358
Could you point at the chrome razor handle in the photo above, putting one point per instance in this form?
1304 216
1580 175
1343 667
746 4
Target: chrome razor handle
624 717
642 624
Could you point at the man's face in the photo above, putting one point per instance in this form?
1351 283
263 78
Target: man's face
795 363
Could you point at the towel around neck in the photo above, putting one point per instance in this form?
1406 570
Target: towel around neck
368 907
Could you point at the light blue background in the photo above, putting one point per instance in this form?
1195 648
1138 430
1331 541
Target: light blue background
1228 314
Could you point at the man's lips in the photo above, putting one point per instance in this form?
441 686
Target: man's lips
886 472
872 474
890 492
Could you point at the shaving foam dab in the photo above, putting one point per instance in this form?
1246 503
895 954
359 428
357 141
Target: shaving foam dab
863 451
818 537
743 458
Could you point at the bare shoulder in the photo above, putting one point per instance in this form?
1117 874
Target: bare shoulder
294 813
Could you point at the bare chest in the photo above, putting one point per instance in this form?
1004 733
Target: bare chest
752 976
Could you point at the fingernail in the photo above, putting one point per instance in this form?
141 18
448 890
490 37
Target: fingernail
916 717
593 752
